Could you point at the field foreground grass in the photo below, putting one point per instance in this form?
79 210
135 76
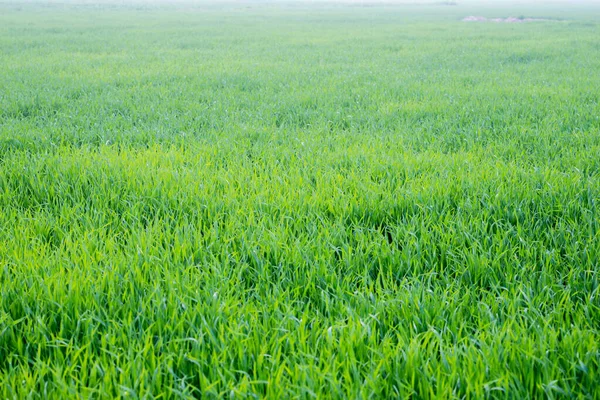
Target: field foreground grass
293 200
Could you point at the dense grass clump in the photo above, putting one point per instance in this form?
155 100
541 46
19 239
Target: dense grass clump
298 200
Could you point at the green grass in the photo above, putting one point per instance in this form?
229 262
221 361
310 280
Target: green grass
293 200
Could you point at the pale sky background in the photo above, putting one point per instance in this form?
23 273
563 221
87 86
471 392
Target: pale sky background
459 2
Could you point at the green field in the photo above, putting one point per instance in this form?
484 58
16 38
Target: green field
299 200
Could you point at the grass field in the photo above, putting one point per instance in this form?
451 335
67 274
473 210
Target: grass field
298 200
